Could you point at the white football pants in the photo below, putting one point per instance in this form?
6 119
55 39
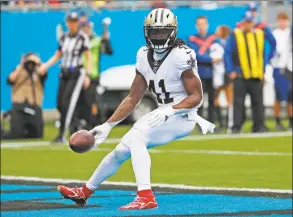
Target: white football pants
135 144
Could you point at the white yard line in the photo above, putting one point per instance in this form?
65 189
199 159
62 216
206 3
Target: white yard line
237 136
174 151
222 152
188 138
29 145
183 187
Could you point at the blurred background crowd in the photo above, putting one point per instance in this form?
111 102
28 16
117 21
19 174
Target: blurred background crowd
85 87
111 4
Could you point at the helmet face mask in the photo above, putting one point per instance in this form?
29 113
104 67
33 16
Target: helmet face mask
160 37
160 29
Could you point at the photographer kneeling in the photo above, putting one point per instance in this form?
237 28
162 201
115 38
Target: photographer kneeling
27 96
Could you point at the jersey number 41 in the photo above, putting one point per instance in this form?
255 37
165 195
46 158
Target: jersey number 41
161 84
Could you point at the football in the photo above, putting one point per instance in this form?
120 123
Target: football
81 141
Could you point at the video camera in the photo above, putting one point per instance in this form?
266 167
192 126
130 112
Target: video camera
30 62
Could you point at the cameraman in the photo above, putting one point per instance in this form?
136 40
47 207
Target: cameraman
27 95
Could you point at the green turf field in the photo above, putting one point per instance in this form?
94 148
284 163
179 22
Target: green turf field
251 162
51 131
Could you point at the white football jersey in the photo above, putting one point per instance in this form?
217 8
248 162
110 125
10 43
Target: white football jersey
217 51
164 76
281 58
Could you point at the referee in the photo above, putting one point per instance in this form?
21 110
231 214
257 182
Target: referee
73 77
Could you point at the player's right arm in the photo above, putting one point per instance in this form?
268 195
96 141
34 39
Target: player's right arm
137 91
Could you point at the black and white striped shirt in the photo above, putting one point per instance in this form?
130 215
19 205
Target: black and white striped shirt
72 48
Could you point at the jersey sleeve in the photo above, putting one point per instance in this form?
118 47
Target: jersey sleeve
186 60
86 43
139 66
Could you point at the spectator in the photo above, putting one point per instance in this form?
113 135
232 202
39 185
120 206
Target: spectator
5 3
100 4
27 96
220 80
98 46
289 72
201 44
245 64
83 17
72 46
28 2
158 4
279 62
54 3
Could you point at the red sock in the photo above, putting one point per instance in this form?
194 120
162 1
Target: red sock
146 193
87 192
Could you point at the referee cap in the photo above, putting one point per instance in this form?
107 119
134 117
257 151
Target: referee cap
73 16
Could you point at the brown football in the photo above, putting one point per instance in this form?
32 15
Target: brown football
81 141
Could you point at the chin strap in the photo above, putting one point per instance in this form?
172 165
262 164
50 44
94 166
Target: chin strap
160 51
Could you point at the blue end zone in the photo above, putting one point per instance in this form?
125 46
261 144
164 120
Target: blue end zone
107 202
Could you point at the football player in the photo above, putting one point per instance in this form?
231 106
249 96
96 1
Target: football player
168 68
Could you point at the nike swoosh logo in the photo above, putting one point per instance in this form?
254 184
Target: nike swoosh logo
188 52
75 195
146 205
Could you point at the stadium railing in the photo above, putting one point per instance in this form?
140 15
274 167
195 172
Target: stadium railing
44 5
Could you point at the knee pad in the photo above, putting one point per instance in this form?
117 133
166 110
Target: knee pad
121 153
132 136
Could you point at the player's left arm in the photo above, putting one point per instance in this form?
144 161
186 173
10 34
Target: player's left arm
193 88
192 85
187 69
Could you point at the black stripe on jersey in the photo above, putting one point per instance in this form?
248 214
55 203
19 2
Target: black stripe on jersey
155 65
162 15
72 48
156 15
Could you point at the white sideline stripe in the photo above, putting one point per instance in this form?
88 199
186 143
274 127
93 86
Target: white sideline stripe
176 186
24 144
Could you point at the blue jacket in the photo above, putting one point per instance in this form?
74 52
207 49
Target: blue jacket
270 38
231 51
204 61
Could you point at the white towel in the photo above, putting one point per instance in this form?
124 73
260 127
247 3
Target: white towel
205 125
